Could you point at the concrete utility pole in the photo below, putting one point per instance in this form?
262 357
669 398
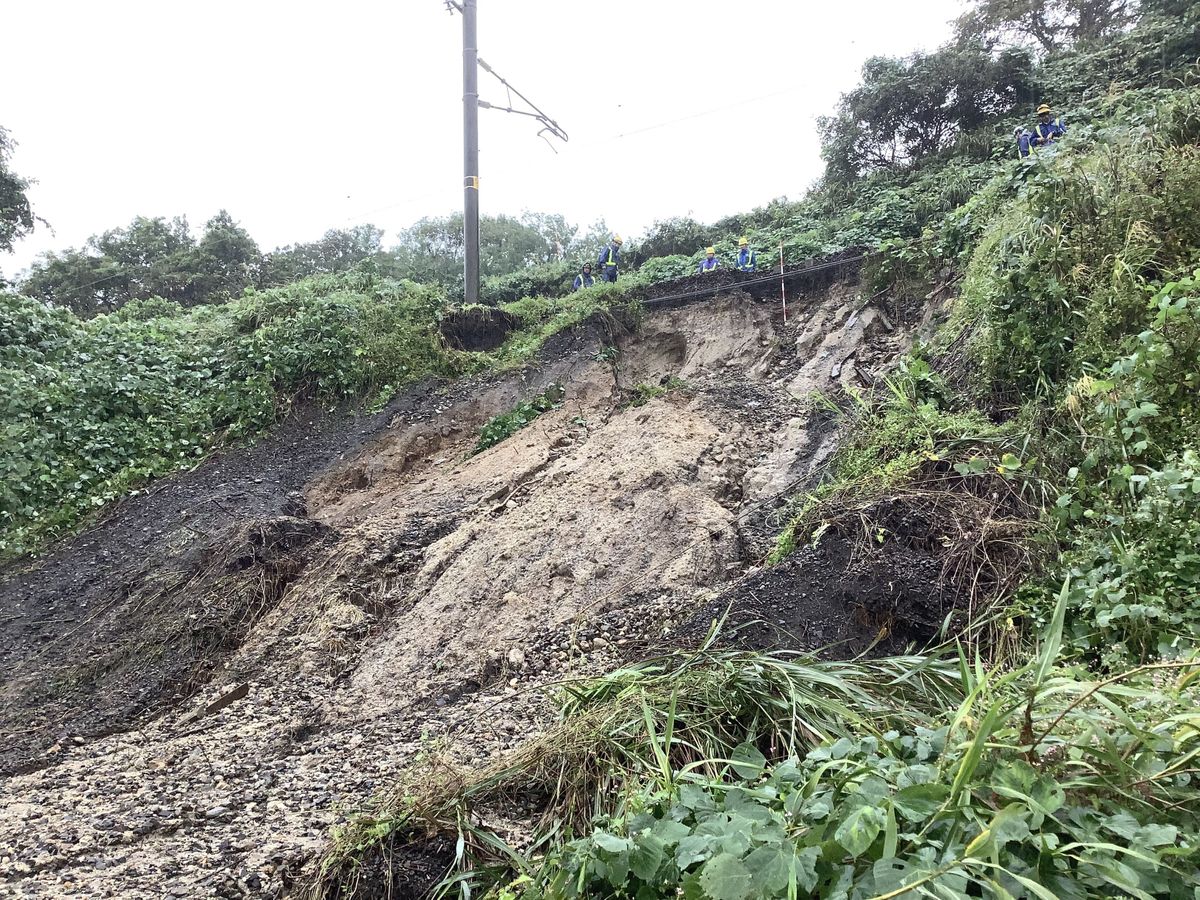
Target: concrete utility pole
471 106
470 150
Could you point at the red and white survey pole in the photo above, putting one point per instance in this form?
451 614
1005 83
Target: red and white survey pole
782 289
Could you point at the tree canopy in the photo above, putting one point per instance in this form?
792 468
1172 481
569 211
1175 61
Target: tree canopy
1047 26
155 257
16 215
908 109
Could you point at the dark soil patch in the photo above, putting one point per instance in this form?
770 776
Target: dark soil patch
477 328
393 871
831 601
107 602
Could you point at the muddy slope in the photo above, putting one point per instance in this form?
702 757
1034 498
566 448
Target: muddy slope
402 591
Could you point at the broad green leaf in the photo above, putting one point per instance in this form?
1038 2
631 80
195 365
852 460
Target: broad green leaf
748 762
1010 824
647 857
695 798
671 832
736 839
890 874
610 842
693 849
725 877
1047 795
872 789
860 829
806 868
769 867
1155 836
920 801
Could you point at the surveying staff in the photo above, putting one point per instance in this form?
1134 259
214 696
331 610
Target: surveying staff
709 263
584 279
1045 132
610 258
747 259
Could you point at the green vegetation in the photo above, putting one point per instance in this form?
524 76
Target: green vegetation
92 409
1046 750
16 216
1050 427
161 258
642 393
1040 784
505 425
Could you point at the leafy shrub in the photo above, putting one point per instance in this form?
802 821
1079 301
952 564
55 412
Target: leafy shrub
1132 503
928 810
505 425
545 280
92 409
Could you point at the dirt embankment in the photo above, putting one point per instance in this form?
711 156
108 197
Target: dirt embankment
372 588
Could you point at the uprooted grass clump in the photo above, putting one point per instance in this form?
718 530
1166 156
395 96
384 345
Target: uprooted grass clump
642 393
685 711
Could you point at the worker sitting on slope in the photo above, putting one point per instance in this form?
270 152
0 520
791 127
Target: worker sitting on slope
610 258
584 278
709 263
747 259
1045 132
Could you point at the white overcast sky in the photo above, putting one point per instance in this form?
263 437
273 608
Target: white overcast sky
302 116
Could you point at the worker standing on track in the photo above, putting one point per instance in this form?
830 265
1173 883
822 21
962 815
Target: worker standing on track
610 258
584 279
709 263
747 259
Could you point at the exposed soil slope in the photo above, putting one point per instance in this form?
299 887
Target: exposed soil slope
380 588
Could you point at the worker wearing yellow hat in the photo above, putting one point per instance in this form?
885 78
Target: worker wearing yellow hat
747 259
610 258
709 263
1047 130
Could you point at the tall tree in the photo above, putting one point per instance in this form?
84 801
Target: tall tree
432 249
340 250
16 216
1047 26
907 109
226 259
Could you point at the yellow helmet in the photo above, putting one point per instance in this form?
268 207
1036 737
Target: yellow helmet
742 242
710 250
617 239
1044 108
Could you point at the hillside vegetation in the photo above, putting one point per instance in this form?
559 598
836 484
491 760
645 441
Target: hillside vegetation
1049 751
1044 440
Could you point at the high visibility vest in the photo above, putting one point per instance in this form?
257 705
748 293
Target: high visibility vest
749 264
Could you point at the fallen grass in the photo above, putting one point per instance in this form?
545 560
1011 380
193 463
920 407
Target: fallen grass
608 741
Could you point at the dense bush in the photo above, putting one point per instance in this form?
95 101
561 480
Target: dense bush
92 409
546 280
1002 800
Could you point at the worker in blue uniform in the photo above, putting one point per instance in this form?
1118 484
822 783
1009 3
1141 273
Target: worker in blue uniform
584 279
610 258
1047 130
709 263
747 259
